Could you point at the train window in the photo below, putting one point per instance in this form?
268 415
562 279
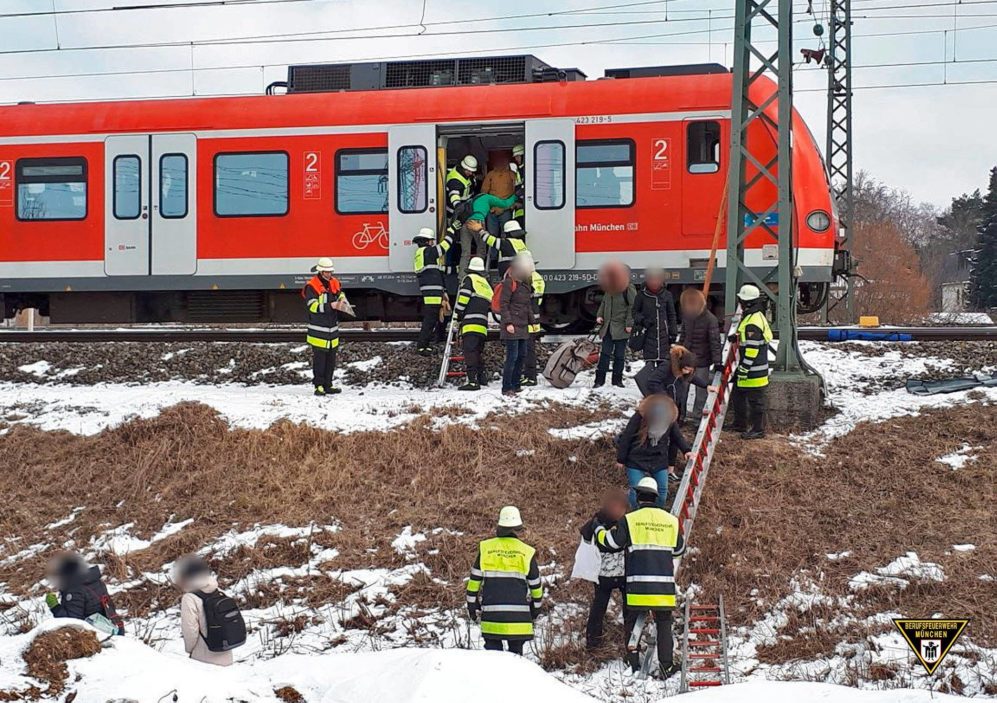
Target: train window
251 184
413 176
127 187
173 186
51 189
548 179
362 181
604 173
702 152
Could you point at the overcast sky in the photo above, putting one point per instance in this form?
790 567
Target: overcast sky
935 141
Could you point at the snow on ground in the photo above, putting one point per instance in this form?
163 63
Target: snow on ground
854 384
960 457
90 409
861 387
127 669
960 318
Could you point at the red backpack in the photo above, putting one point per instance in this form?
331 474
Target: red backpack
497 294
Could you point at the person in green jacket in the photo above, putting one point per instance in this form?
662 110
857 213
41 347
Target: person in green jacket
615 319
471 230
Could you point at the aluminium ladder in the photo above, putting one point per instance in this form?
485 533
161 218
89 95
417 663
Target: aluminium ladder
453 332
698 460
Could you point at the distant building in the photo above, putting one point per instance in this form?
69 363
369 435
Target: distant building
953 280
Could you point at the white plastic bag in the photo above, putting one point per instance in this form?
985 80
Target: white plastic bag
587 562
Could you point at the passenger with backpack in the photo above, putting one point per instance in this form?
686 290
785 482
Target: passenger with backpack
82 594
210 621
513 299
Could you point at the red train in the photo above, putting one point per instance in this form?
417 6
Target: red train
214 209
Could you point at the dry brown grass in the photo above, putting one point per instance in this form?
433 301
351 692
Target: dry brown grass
770 513
289 695
48 653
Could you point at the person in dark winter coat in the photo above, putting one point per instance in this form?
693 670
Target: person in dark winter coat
516 311
82 593
701 336
654 312
650 444
674 378
611 568
324 300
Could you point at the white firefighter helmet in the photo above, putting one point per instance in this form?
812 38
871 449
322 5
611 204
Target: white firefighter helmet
325 264
476 264
647 486
513 229
748 293
469 162
518 150
425 234
509 517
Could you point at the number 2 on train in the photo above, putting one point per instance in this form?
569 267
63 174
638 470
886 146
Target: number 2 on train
6 184
661 165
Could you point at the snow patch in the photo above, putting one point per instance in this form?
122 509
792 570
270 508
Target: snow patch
406 540
960 457
38 369
911 566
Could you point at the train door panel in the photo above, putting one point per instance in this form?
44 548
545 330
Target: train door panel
412 195
550 192
173 196
703 174
126 205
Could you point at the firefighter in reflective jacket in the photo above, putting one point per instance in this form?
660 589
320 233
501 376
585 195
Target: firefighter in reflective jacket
323 295
753 336
505 586
519 159
460 184
474 300
428 263
650 536
511 242
530 365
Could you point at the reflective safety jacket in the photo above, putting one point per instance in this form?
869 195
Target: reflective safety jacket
754 336
507 248
458 188
474 300
323 320
537 300
505 584
518 210
428 263
650 537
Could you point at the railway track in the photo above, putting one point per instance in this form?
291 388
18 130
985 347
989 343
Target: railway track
296 335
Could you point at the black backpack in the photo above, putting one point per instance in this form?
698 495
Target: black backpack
223 621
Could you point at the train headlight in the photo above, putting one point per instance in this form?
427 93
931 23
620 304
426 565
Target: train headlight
818 221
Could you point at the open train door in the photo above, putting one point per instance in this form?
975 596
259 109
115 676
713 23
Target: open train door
550 192
412 193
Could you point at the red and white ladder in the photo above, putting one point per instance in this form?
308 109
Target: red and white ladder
704 647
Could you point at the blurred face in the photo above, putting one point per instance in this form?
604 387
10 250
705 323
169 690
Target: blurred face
615 508
688 370
326 275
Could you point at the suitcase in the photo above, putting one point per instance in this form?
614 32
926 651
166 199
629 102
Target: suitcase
570 359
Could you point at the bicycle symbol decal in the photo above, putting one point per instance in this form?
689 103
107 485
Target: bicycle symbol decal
371 234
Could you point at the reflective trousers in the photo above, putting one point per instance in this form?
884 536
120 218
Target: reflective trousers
323 366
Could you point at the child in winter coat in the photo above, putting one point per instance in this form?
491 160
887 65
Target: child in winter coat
611 567
193 575
673 379
650 444
82 594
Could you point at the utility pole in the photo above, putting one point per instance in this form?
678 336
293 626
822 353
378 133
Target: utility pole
760 199
838 151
